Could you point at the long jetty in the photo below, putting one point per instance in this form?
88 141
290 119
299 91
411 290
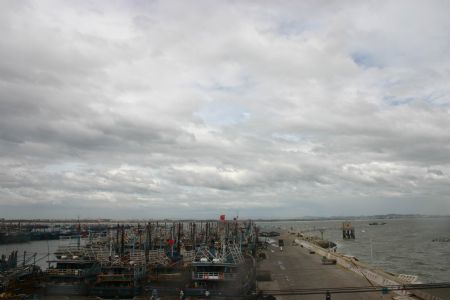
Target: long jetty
300 269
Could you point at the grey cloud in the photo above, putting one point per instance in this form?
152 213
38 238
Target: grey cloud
195 108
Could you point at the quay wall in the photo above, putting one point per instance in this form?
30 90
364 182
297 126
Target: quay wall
376 276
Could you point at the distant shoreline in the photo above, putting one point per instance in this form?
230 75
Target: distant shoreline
331 218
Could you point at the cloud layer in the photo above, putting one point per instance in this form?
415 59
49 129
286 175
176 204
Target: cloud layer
194 108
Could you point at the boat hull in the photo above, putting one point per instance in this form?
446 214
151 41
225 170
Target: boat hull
17 237
66 289
114 292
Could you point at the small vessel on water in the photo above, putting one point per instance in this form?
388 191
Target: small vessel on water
377 223
441 240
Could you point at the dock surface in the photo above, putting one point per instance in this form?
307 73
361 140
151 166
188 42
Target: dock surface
295 268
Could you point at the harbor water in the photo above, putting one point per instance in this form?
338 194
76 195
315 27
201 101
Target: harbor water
401 246
44 250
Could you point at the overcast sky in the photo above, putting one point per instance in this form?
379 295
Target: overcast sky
196 108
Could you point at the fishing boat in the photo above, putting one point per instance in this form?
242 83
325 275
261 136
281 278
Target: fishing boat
169 271
220 272
18 279
122 277
72 272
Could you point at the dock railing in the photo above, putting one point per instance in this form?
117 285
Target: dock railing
214 276
64 272
114 277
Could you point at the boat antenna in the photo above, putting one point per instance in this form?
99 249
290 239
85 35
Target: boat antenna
48 254
79 233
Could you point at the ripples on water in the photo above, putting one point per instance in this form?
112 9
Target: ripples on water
401 246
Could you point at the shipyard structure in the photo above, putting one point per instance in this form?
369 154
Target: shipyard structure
156 260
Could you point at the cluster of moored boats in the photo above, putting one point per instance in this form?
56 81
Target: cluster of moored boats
22 233
184 259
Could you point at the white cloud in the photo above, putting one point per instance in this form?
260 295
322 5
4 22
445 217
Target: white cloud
298 108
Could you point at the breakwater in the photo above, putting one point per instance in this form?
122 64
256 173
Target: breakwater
401 246
375 276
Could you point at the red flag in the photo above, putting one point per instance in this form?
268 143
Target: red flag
171 242
222 217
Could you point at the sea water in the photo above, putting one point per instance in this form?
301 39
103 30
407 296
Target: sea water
401 246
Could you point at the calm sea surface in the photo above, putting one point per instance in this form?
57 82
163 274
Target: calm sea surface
401 246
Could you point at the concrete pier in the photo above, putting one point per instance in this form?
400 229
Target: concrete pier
296 268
